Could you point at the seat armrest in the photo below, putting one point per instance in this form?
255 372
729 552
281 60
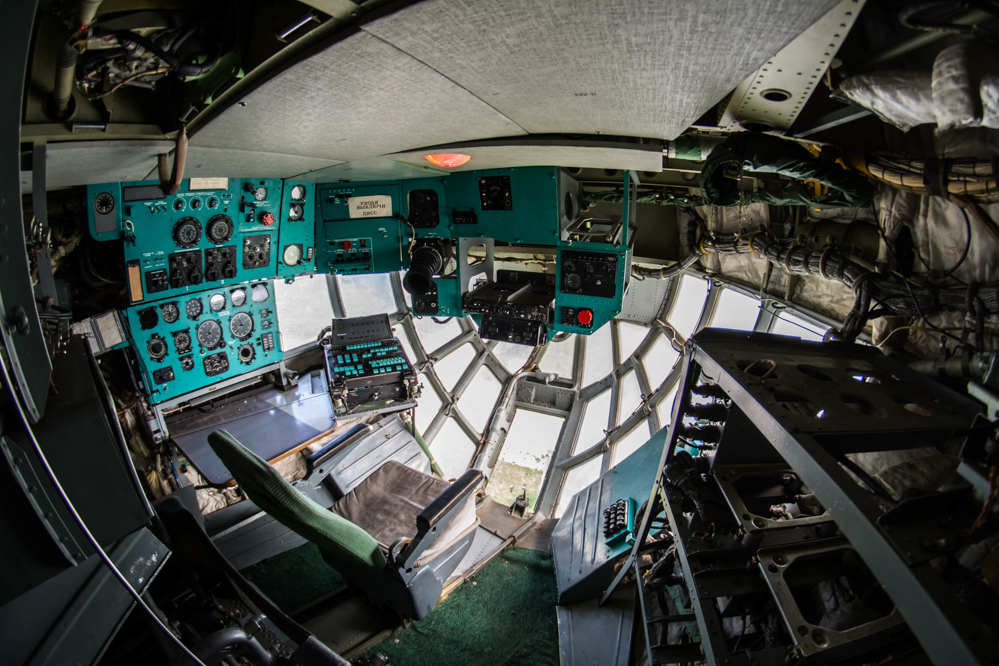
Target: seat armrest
435 517
449 500
316 467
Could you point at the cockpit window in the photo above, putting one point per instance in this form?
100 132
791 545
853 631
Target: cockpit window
365 295
304 309
628 375
735 310
525 457
688 304
789 324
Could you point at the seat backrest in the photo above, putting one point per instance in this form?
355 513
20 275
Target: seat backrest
342 541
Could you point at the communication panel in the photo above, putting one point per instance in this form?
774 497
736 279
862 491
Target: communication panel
590 288
213 231
368 367
187 342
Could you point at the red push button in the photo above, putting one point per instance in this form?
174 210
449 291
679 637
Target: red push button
585 317
267 219
346 245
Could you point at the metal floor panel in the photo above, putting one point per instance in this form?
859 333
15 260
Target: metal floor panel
483 544
591 634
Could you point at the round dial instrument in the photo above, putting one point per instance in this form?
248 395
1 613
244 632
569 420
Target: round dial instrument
209 334
298 192
292 255
187 232
241 325
219 229
194 308
260 193
238 297
295 212
572 281
182 341
156 347
104 203
216 302
169 312
246 354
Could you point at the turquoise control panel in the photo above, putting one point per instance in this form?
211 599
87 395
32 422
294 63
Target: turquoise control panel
370 359
219 241
187 342
370 227
215 231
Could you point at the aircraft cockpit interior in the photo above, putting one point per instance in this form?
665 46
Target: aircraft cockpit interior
433 332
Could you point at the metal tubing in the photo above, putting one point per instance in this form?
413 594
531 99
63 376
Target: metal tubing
88 11
62 95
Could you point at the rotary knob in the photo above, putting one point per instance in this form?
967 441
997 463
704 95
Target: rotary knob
229 271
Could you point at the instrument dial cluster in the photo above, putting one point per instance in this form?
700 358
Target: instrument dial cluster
193 341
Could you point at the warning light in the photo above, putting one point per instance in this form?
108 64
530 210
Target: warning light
447 160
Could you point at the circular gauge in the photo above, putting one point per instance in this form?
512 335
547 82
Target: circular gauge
241 325
292 255
209 334
572 281
216 302
260 193
295 212
298 192
194 308
187 363
156 347
213 203
178 204
104 203
169 313
246 354
195 204
187 232
182 341
219 229
238 297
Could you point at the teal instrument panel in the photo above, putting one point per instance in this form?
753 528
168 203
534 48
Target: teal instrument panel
213 231
191 341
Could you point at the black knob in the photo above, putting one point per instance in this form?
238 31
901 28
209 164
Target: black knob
213 273
195 276
229 271
177 280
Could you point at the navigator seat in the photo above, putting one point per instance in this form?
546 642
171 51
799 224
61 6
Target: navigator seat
398 535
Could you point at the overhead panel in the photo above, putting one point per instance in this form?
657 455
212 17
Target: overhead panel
627 67
359 97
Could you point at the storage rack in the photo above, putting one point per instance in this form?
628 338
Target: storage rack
800 407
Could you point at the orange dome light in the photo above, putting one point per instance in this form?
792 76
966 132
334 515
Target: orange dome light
447 160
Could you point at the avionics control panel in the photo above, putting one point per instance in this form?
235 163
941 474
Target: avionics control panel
213 231
184 343
368 367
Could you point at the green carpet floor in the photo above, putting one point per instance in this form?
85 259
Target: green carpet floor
506 618
294 578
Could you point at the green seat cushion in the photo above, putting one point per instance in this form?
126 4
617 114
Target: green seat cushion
347 544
